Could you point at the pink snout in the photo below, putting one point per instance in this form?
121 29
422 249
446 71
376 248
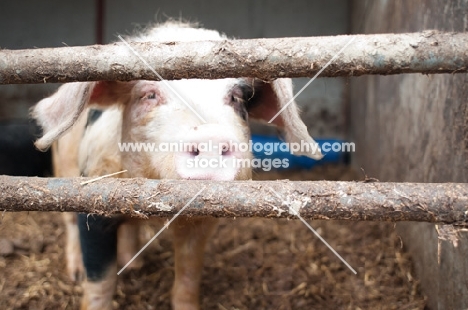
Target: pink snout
211 152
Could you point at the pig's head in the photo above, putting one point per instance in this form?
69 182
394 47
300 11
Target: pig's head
195 126
194 112
193 123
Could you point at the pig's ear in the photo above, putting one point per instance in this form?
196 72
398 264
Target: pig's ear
57 113
270 98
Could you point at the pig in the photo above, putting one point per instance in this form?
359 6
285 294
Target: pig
90 119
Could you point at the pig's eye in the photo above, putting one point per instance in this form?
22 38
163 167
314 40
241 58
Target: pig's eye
151 95
237 99
238 104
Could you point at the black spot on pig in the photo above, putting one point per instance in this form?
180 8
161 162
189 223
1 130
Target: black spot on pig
98 237
93 116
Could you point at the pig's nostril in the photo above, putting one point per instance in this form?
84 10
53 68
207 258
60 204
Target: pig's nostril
194 152
225 150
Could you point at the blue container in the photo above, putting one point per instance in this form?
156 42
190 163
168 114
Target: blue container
301 162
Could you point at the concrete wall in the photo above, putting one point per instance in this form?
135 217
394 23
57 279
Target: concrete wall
51 23
415 128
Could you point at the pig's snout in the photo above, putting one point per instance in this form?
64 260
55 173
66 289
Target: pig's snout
211 152
211 140
220 147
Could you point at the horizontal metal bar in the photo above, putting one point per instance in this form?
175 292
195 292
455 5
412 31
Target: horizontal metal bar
357 201
425 52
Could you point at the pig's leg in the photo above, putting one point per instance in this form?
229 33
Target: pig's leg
72 249
190 236
129 245
98 237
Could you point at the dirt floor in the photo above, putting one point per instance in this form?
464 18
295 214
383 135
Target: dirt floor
250 264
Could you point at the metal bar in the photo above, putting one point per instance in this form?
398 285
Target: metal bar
357 201
425 52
